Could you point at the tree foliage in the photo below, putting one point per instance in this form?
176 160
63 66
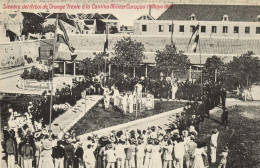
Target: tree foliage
49 28
128 53
113 30
213 64
32 23
243 70
169 60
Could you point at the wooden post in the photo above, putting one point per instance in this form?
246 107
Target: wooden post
190 73
64 67
216 72
109 71
74 68
134 71
146 70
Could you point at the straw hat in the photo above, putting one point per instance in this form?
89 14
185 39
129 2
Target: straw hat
37 134
47 145
44 131
226 149
109 146
112 139
12 124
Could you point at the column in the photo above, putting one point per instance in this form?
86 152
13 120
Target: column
134 71
109 70
74 68
64 66
146 70
190 73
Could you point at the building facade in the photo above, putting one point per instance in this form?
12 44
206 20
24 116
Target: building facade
214 20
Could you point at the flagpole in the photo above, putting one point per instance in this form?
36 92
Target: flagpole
52 66
201 81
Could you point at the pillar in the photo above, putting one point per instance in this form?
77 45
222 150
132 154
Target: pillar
146 70
64 66
109 70
74 68
134 71
190 73
216 73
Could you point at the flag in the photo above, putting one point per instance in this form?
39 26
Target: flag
62 34
172 35
195 44
193 32
106 42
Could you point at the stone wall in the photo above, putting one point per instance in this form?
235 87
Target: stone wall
13 53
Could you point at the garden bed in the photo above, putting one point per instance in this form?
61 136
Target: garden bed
97 118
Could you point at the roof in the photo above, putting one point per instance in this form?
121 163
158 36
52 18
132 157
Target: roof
245 13
64 17
146 17
95 16
149 57
89 22
109 16
44 15
12 15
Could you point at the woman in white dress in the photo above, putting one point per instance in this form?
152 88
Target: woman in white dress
116 96
168 155
148 154
124 103
156 154
131 102
198 160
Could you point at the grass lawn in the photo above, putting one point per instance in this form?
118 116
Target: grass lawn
242 136
98 118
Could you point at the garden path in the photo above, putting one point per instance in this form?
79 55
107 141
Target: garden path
65 121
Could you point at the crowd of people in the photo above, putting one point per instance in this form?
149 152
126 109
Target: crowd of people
153 147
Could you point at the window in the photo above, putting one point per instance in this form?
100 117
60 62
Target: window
144 28
192 28
225 18
160 28
171 28
192 17
203 29
236 29
181 28
214 29
225 29
257 30
247 30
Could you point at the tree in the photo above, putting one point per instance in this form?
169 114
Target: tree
85 66
32 23
243 70
169 60
213 65
101 26
49 28
128 53
99 60
113 30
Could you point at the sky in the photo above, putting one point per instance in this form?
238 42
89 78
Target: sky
126 16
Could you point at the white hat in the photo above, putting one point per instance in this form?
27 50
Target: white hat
12 124
10 110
